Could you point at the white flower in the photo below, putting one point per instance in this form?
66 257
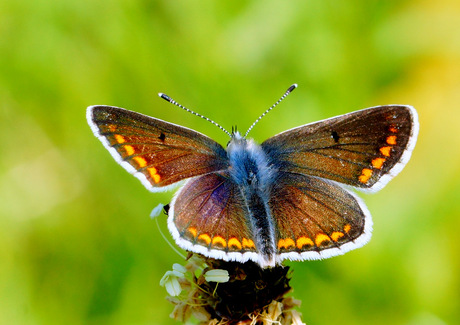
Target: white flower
217 275
170 282
179 268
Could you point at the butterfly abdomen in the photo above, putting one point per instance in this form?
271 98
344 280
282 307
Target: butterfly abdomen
250 171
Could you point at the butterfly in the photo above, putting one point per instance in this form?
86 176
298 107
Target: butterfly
284 199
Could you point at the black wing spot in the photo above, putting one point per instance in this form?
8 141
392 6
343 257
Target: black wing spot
162 136
335 136
166 209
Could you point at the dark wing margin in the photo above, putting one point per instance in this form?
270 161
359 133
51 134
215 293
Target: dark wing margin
364 149
158 153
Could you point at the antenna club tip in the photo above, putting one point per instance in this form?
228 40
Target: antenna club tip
165 97
294 86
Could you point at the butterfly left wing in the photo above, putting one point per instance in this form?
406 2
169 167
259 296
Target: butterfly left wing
364 149
158 153
208 216
316 218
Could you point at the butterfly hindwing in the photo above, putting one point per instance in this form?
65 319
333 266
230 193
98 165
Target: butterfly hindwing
364 149
208 216
316 218
157 152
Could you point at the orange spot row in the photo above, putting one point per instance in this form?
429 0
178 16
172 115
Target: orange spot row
233 242
366 173
320 238
377 163
286 243
112 127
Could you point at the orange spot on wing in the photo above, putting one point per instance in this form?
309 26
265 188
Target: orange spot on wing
321 238
153 173
248 243
366 173
378 162
129 150
205 238
233 242
385 151
347 228
219 240
336 235
286 243
192 230
393 129
119 138
141 162
304 241
391 140
112 127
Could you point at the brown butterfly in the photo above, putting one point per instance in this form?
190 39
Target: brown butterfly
282 199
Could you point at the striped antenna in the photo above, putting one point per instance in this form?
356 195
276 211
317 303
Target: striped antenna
172 101
290 89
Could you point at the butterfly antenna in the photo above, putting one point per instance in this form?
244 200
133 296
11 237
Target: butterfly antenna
172 101
290 89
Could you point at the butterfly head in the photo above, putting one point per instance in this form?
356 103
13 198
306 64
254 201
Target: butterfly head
235 137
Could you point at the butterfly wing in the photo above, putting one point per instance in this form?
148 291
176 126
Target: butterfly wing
364 149
316 218
157 152
208 216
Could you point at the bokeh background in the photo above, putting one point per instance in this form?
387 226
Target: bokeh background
77 245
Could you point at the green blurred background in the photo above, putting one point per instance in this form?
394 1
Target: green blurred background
77 245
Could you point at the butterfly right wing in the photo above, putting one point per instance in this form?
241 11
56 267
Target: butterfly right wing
316 218
208 216
364 149
158 153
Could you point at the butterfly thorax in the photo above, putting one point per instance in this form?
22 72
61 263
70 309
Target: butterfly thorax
248 163
250 170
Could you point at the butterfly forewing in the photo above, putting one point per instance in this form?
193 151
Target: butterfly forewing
157 152
316 218
208 217
364 149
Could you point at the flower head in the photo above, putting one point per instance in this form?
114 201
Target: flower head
219 292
